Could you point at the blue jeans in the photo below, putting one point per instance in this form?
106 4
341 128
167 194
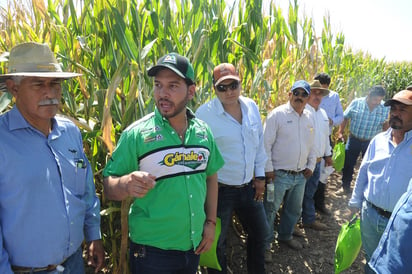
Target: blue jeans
146 259
308 205
252 216
353 147
372 227
73 265
289 189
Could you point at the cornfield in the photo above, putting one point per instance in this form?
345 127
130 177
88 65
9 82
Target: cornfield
113 42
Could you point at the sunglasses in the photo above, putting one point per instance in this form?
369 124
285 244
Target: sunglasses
223 88
303 94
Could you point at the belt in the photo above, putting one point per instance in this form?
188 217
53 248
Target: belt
49 268
382 212
291 172
360 139
23 269
232 186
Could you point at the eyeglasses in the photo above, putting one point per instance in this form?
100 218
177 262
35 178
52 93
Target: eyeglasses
223 88
300 94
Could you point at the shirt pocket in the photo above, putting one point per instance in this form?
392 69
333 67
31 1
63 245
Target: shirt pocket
252 133
77 184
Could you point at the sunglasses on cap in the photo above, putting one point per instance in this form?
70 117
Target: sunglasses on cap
303 94
223 88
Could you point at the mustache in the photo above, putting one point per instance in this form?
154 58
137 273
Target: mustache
164 101
299 100
46 102
393 119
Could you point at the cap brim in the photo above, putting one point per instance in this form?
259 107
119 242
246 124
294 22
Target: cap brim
399 100
155 69
307 91
221 79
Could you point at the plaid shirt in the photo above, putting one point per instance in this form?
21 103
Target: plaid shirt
365 124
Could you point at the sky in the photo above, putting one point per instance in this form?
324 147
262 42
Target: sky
382 28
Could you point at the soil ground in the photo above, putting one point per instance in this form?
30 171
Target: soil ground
317 256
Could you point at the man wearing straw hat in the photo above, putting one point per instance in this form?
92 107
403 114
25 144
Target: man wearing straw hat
48 203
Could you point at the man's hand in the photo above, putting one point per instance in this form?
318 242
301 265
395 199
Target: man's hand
340 137
138 183
95 255
259 186
270 176
353 211
307 173
328 161
208 237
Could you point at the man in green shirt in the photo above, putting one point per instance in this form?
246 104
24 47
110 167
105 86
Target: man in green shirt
168 162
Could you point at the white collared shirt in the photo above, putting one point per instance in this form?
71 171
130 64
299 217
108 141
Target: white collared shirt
241 145
289 139
321 123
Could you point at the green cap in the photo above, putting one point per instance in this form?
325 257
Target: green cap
177 63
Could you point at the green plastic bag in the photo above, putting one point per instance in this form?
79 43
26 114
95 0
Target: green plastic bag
338 156
209 258
348 245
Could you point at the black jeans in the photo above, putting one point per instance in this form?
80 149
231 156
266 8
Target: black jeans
253 219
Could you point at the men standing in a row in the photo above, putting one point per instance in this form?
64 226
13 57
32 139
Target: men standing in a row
367 116
289 143
236 124
333 107
323 151
384 173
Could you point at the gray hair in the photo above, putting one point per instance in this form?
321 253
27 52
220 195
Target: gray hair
17 79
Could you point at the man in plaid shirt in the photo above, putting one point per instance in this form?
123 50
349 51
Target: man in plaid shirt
368 117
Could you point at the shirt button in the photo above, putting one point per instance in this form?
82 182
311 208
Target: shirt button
193 214
191 196
188 177
71 223
193 232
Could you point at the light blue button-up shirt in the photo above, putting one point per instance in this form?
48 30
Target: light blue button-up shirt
394 252
241 145
331 104
385 172
48 203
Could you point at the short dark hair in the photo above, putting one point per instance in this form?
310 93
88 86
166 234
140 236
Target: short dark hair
323 78
377 90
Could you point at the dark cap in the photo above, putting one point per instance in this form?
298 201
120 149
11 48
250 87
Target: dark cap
177 63
377 90
403 96
303 85
409 87
223 72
